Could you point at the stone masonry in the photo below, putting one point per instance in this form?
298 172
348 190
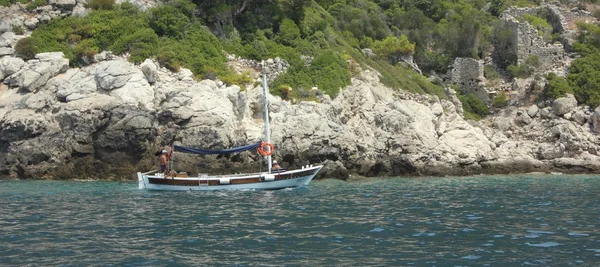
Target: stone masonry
467 73
526 41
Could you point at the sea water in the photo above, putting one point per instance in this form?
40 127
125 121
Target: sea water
527 220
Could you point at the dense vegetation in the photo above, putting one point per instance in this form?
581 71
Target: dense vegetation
321 39
583 78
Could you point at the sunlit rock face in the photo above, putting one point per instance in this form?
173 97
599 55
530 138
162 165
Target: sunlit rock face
107 119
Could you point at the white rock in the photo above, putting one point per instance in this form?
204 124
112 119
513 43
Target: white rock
184 73
532 111
150 70
596 120
64 4
37 72
580 117
31 23
563 105
80 10
10 65
112 74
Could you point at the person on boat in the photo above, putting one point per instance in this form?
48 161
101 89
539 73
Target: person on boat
163 161
275 166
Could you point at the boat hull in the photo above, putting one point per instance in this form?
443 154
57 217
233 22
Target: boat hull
258 181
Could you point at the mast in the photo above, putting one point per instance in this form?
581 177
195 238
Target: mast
266 109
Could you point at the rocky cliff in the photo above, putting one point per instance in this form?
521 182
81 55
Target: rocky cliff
106 121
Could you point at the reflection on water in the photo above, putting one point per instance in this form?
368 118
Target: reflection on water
475 221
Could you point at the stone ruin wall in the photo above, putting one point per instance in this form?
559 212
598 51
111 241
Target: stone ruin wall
467 73
528 42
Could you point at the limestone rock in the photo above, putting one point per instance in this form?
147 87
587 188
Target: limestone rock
9 66
80 10
548 151
31 23
4 51
579 117
7 39
74 85
112 74
63 4
595 118
38 71
107 115
563 105
185 74
150 70
546 113
532 111
523 119
102 56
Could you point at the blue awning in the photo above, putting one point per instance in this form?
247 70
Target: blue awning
216 152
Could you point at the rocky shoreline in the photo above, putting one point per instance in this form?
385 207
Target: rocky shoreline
106 121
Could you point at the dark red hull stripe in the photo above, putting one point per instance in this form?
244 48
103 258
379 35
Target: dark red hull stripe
195 182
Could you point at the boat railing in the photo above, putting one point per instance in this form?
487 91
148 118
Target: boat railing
149 172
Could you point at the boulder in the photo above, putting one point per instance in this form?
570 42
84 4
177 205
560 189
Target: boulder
595 120
31 23
38 71
112 74
7 39
9 66
523 119
80 10
579 117
63 4
150 70
563 105
74 85
5 51
532 111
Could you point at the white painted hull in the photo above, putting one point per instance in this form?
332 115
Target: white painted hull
258 181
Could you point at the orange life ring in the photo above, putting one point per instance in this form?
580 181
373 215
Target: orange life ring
263 149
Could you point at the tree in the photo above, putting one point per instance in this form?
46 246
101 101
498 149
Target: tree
394 48
289 33
168 21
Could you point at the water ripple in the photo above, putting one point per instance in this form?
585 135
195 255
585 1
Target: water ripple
487 221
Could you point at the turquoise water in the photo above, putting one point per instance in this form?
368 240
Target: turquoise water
469 221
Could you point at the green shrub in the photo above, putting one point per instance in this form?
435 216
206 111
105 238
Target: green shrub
26 48
168 21
366 42
18 30
101 4
584 77
500 100
533 61
35 4
7 2
85 49
167 58
141 45
473 107
556 86
393 48
526 69
289 33
541 25
331 72
490 73
241 79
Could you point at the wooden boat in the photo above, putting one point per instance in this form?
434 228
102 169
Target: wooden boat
270 180
260 181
